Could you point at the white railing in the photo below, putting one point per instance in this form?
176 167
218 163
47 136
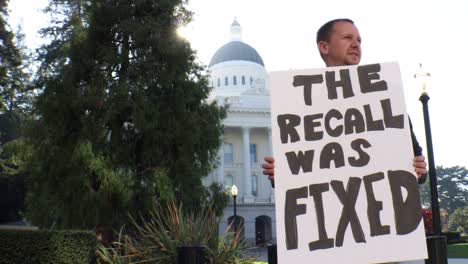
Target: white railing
255 166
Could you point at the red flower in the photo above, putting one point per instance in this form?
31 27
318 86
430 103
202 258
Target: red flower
427 217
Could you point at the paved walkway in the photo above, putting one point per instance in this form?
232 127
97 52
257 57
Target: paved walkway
450 261
259 253
458 261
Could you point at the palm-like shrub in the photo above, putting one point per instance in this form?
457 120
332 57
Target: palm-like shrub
155 239
228 249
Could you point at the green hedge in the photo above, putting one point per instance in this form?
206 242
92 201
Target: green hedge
40 246
452 236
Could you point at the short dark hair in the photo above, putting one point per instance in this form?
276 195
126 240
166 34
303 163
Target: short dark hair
323 34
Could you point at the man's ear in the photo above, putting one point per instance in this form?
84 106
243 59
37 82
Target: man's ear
323 47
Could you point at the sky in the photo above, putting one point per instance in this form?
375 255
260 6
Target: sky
434 33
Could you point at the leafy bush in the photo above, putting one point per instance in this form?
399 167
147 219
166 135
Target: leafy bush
459 220
156 238
42 246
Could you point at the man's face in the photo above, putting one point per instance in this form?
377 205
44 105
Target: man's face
343 46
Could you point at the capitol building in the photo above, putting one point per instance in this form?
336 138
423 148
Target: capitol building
240 80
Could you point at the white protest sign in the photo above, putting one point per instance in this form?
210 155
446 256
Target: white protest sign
345 186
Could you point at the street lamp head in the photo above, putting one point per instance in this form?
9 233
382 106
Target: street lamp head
423 76
234 190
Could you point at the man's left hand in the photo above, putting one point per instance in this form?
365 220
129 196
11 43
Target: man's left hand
419 165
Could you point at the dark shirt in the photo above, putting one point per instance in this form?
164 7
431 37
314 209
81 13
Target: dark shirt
417 151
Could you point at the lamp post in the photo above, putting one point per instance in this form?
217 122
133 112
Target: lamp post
437 244
234 196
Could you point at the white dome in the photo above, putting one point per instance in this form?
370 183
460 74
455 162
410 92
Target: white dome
236 69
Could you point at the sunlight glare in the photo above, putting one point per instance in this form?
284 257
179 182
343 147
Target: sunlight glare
183 32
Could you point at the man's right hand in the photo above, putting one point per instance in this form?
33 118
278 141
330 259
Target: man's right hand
269 169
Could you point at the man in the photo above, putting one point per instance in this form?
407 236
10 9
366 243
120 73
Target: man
339 44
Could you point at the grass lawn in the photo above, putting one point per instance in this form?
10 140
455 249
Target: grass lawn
458 250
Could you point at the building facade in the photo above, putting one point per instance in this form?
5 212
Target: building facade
240 80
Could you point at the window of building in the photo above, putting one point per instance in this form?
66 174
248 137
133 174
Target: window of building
243 80
253 153
219 82
254 185
234 80
226 81
228 181
228 152
251 80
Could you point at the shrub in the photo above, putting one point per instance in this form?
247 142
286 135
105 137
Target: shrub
42 246
156 238
459 220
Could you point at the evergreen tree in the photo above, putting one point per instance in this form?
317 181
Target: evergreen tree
9 56
124 117
22 96
13 64
15 106
452 188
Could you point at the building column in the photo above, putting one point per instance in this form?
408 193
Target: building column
221 163
270 143
248 198
270 153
